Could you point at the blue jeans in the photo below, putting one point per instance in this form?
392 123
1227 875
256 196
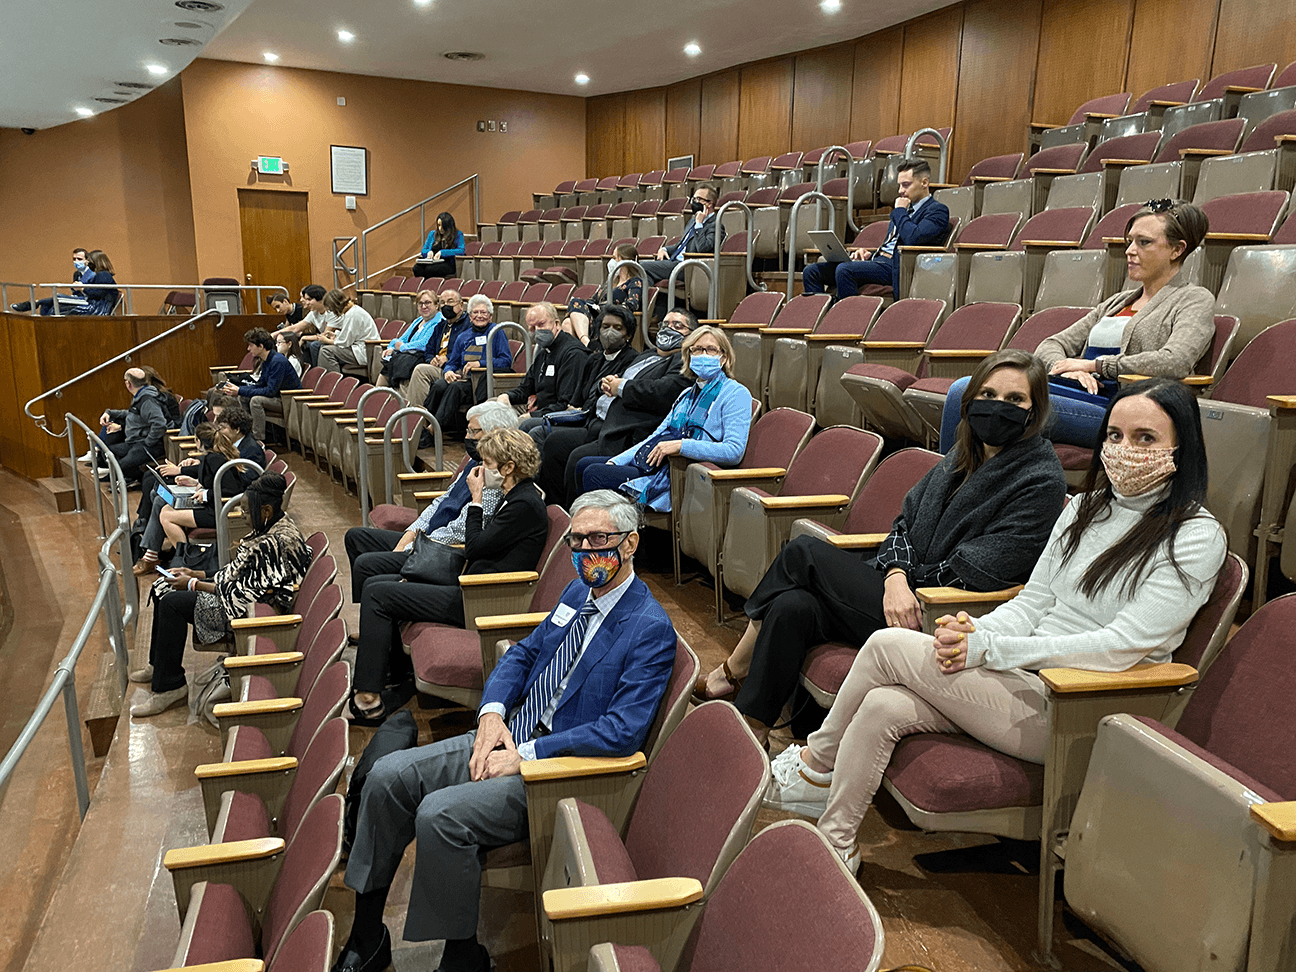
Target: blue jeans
851 276
1077 416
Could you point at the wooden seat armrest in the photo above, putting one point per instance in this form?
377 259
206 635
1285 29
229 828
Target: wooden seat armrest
784 504
973 247
422 477
237 710
346 421
986 178
1099 115
785 331
1287 139
504 622
895 345
301 393
837 338
428 496
1130 379
738 475
1045 126
245 767
957 353
1241 89
571 767
321 405
173 432
240 662
1065 681
1198 381
338 412
1054 244
857 541
506 577
1115 162
922 249
1277 818
270 621
711 321
1283 403
741 326
1158 103
1238 237
206 855
1202 153
615 899
1115 240
957 595
1052 172
233 965
933 186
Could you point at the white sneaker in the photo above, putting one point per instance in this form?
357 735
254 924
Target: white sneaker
851 858
88 457
796 787
159 702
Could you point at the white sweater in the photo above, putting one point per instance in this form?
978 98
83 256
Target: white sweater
354 328
1051 624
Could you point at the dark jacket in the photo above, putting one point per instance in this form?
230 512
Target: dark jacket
927 227
465 350
990 529
145 421
643 403
102 299
554 378
456 327
703 239
276 375
515 536
598 367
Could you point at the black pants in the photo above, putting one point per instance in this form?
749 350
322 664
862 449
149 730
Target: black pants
434 268
813 593
369 551
446 399
557 449
388 602
131 456
172 615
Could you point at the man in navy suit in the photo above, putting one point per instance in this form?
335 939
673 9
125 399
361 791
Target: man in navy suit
916 220
587 682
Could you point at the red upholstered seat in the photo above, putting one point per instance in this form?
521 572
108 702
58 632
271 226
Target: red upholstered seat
997 166
249 745
1141 146
939 385
826 666
222 931
956 774
247 818
612 864
1065 157
392 517
897 376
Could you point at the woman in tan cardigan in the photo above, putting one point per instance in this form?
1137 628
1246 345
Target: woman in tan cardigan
1160 329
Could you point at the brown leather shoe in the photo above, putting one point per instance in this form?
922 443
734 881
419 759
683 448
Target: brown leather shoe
699 687
144 567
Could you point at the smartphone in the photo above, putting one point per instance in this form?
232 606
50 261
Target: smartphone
166 573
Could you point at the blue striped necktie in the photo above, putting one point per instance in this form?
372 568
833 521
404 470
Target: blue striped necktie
524 723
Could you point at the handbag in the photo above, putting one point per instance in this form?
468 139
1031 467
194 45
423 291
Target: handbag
431 562
400 366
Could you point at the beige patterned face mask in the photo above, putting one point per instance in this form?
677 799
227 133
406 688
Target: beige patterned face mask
1134 471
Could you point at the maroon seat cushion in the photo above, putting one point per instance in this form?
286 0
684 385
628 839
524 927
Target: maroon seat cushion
390 517
827 666
1073 456
445 656
1224 766
247 818
221 932
532 275
611 862
946 773
897 376
250 743
260 689
261 645
877 290
560 275
940 386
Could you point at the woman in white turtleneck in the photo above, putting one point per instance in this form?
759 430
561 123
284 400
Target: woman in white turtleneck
1129 562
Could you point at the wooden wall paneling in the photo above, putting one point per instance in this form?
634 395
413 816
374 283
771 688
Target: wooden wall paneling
1171 41
1083 50
718 138
683 118
18 347
605 135
765 109
821 97
1254 32
929 73
645 127
875 86
996 73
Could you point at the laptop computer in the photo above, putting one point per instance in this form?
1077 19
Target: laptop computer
178 497
833 249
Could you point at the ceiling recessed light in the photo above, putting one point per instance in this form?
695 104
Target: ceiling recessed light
582 78
692 50
156 68
830 6
423 3
345 36
84 112
270 56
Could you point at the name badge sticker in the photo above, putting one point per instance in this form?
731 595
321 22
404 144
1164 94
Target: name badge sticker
481 340
562 615
549 372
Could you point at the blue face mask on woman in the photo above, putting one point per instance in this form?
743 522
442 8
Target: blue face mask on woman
706 366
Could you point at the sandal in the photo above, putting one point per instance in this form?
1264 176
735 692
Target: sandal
699 687
371 717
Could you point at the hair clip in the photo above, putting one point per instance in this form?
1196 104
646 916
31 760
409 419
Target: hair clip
1160 205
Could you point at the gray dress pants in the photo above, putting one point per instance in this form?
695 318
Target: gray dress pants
425 795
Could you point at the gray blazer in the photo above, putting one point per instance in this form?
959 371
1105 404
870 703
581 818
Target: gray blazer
1165 339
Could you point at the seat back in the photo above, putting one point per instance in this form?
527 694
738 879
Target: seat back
1258 76
320 704
911 319
1141 146
1266 366
322 646
308 863
976 326
995 276
850 315
1175 91
1218 135
1072 278
555 563
992 230
675 702
1075 190
758 308
935 279
1044 323
1111 226
698 799
776 438
308 947
318 770
1257 289
1057 157
1250 213
803 311
996 167
321 571
1262 136
834 461
744 926
881 498
1227 175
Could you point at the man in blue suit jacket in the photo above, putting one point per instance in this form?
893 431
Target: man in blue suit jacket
917 220
587 682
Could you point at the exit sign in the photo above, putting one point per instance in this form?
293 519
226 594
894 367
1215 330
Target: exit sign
270 165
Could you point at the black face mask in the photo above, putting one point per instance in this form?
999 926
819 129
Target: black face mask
695 206
997 423
470 447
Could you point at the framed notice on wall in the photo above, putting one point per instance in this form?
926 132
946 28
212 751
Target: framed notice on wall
349 166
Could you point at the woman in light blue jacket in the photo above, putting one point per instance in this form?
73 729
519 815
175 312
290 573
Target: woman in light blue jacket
709 422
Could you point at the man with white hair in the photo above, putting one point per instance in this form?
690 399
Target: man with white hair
141 425
372 551
468 353
586 682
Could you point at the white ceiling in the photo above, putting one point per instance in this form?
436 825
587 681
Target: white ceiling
57 57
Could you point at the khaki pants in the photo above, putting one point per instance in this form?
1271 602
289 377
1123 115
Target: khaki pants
416 389
333 357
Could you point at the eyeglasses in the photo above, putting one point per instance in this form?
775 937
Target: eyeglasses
707 352
1160 205
597 541
426 303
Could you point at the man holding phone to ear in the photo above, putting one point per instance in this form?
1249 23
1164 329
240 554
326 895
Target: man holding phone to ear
699 235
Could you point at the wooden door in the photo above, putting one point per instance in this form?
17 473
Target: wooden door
276 241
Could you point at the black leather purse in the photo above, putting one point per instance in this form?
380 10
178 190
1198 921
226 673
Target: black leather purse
431 562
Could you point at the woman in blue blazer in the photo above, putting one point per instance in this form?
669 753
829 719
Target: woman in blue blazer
443 244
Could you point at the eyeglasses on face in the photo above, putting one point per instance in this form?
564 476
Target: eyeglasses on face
598 540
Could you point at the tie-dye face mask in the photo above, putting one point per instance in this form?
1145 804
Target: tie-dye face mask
596 567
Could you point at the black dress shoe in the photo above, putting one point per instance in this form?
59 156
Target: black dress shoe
485 963
381 958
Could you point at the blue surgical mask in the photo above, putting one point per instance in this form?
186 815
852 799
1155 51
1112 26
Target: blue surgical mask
79 264
705 366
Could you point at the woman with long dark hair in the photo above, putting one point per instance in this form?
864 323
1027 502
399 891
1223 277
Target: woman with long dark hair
1128 564
443 244
978 519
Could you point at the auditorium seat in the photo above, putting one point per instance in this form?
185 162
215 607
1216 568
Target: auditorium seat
504 231
505 263
607 191
752 351
1281 96
593 261
1181 155
707 173
935 277
1238 220
1257 289
645 217
797 354
694 812
755 174
595 221
628 188
327 443
1111 157
1071 278
312 406
786 169
318 388
990 232
621 220
585 192
650 185
1146 113
563 195
551 224
1223 864
673 183
308 948
1084 126
1027 193
1218 98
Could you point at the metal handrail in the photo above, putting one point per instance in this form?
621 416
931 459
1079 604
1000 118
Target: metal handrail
832 150
362 445
57 392
713 297
364 234
941 142
818 197
489 358
106 596
340 264
222 521
129 288
396 416
4 294
705 265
